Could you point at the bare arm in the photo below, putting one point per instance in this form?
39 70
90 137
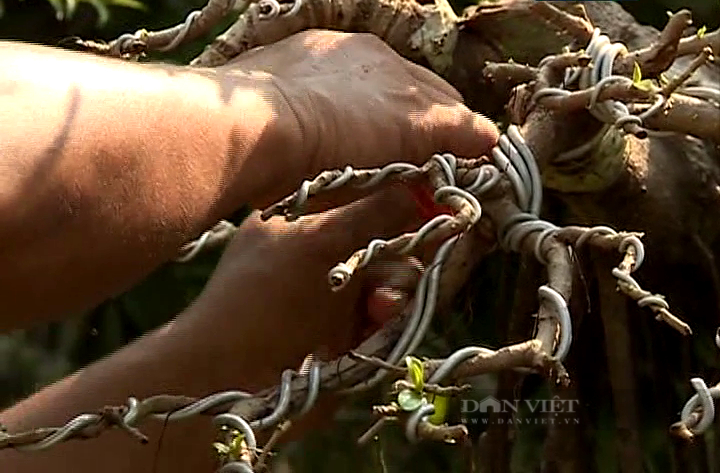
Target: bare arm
123 163
108 167
267 305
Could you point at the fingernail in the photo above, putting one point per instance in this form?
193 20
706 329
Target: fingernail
385 303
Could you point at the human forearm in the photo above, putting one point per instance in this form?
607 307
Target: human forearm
267 305
211 347
109 167
162 363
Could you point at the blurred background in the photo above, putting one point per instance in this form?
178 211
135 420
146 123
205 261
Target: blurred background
31 359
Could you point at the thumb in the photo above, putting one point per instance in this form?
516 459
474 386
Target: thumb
458 130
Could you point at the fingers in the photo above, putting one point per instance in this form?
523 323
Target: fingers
395 272
453 127
385 214
475 136
428 78
390 286
458 130
388 212
383 304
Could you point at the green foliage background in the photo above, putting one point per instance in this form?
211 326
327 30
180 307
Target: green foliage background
34 358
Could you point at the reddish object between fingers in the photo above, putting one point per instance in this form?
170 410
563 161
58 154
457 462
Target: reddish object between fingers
425 201
383 304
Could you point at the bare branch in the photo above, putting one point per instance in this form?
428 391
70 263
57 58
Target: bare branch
694 44
581 99
197 24
578 27
528 354
442 433
377 362
687 115
449 391
262 461
702 58
660 55
509 75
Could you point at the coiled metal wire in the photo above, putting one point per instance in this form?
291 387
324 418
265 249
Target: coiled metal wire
704 399
267 10
512 157
599 75
515 159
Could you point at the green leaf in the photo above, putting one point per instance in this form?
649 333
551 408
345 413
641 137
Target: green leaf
409 399
637 73
134 4
417 372
645 85
237 442
59 7
103 11
70 9
441 407
237 445
701 32
221 448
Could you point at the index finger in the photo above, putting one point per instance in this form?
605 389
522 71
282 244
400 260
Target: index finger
454 128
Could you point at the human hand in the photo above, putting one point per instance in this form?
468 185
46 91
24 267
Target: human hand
357 102
269 303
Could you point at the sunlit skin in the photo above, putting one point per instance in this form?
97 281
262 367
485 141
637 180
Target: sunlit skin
108 167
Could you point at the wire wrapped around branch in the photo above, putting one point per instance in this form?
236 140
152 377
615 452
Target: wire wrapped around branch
426 32
698 413
366 180
196 24
218 235
633 255
254 407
